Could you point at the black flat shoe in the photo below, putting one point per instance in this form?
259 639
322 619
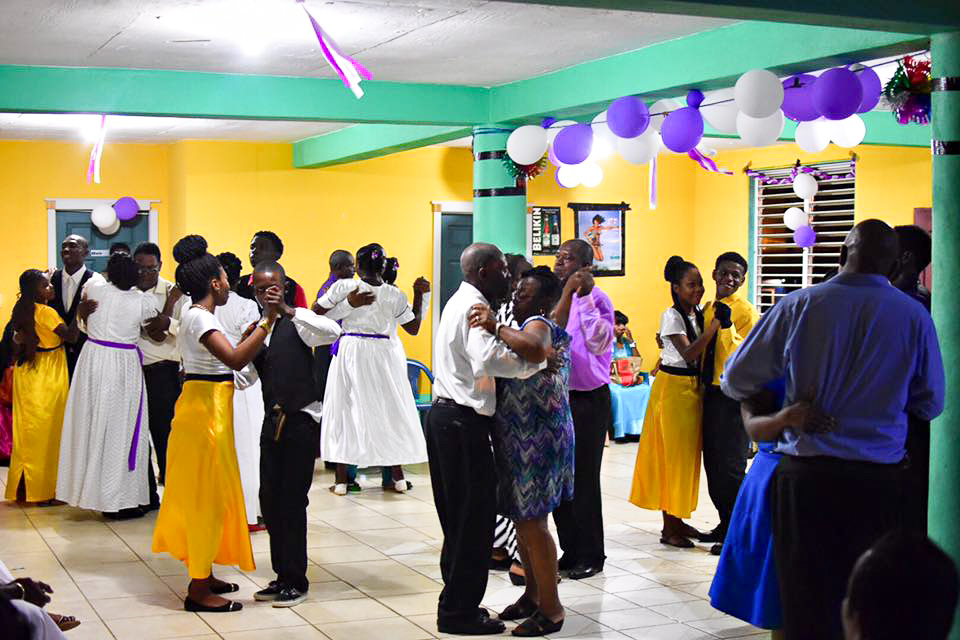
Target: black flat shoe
537 625
709 536
716 549
677 541
522 608
228 587
584 571
479 626
517 579
196 607
502 564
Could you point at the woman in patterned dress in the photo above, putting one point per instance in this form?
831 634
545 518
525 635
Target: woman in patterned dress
533 444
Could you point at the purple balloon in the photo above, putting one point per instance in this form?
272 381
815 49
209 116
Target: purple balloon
837 94
682 129
798 98
694 98
573 144
805 236
547 122
872 88
126 208
628 117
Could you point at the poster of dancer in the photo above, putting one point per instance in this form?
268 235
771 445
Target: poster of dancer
603 227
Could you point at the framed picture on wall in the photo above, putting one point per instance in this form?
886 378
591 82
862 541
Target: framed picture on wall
544 230
603 226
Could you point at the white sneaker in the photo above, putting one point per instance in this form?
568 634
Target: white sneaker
340 489
400 486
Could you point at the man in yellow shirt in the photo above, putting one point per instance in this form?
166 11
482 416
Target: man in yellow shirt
725 443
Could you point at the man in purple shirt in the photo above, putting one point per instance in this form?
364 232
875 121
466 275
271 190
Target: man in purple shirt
590 325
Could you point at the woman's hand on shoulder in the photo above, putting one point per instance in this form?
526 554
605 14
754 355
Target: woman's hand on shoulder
481 315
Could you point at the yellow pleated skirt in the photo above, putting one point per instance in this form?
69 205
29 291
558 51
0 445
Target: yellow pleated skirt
202 519
667 473
39 398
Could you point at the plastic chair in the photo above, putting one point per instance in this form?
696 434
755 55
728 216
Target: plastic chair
414 369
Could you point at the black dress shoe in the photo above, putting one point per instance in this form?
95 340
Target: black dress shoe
711 536
479 626
566 562
584 571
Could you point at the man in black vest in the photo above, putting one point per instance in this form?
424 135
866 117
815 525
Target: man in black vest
290 434
68 284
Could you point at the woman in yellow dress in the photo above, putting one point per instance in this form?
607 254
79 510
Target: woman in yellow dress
667 473
202 518
40 385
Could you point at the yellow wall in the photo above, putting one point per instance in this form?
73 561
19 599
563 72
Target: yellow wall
228 190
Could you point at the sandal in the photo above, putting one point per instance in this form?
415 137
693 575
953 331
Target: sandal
196 607
522 608
64 623
537 625
677 540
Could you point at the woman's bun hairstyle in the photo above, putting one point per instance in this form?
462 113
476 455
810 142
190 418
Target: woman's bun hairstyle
189 248
672 270
196 267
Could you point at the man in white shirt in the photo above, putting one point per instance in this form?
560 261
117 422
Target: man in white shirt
68 284
458 439
161 357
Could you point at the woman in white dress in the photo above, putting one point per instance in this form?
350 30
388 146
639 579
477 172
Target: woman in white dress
369 415
237 316
104 447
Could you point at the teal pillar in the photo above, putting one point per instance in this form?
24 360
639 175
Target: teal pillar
499 200
944 513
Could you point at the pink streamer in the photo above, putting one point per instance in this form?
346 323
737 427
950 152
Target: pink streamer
350 71
93 168
653 182
707 163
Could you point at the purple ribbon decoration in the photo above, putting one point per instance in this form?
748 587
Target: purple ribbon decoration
93 168
132 458
707 163
652 168
350 71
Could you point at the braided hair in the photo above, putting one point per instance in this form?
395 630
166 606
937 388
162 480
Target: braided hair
371 259
196 267
23 316
673 273
392 265
232 266
122 271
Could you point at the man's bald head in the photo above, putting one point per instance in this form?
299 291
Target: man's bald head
484 267
478 255
871 247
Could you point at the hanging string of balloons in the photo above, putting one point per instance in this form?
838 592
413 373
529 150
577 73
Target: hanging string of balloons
826 108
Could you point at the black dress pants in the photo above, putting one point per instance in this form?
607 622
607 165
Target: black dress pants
286 473
725 445
826 513
162 380
916 483
464 491
580 521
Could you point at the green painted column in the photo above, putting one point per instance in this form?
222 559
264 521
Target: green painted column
499 200
944 513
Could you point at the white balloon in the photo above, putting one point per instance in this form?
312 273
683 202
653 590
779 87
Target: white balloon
600 129
723 116
662 107
591 175
555 129
527 144
758 93
849 132
813 136
795 217
601 150
760 132
568 176
112 229
805 186
103 216
640 150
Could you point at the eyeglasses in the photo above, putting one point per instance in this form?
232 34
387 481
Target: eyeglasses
148 269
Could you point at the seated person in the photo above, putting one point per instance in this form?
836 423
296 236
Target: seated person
28 597
629 403
902 587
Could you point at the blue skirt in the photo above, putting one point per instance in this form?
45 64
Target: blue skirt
745 585
629 408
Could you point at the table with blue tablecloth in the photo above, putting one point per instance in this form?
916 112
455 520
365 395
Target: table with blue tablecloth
629 408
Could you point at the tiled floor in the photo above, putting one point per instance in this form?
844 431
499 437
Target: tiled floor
374 572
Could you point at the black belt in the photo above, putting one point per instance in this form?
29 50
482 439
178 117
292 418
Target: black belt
161 363
679 371
202 377
48 349
447 402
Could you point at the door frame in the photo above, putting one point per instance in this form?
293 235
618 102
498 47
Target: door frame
147 206
440 208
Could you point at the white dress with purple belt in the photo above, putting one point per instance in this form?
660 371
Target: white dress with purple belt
104 447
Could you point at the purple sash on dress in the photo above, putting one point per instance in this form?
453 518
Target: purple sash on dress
336 345
132 458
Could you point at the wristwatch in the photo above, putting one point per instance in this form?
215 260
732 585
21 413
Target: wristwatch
265 324
496 331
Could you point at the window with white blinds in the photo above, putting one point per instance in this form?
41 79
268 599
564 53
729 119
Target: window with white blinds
780 266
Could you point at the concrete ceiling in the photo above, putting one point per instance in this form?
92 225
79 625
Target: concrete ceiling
435 41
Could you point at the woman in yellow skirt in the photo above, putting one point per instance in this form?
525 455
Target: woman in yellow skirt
667 473
40 385
202 519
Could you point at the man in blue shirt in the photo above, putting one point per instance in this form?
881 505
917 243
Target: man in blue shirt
866 354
